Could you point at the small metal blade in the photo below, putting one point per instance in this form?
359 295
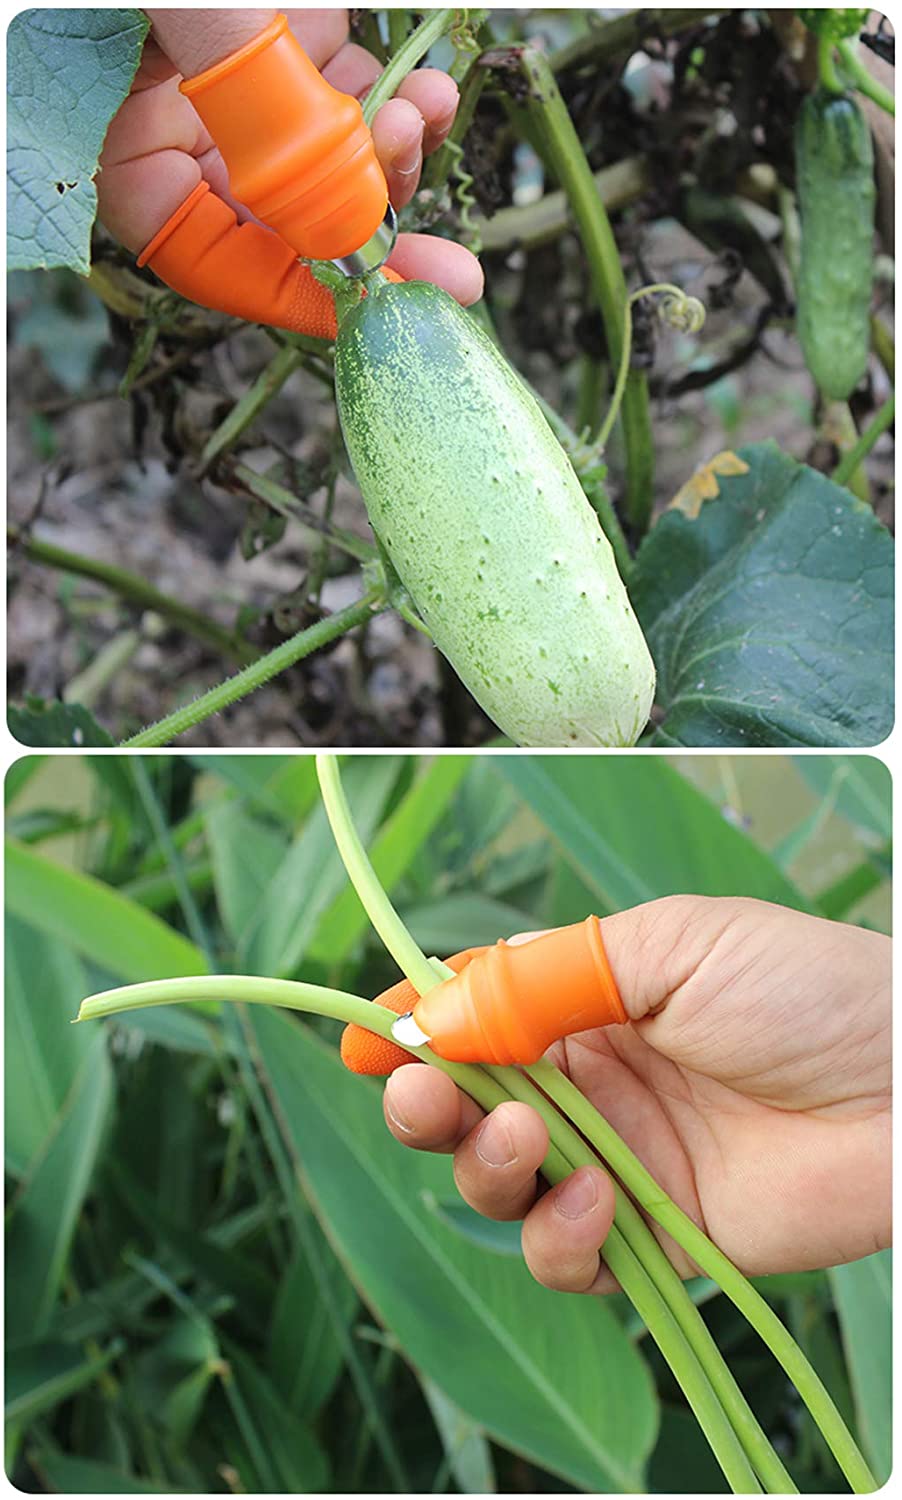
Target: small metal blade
375 252
406 1031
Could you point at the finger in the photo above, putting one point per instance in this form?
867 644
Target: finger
424 1109
564 1232
320 32
495 1167
353 70
147 164
436 96
398 138
424 257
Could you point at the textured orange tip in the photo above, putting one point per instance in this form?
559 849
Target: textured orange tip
298 152
364 1051
513 1001
204 254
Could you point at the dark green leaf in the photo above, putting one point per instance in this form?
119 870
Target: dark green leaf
770 613
68 724
864 1301
635 829
41 1375
68 1475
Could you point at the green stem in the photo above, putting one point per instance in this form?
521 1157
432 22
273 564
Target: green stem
883 346
398 27
287 504
488 1088
136 590
714 1263
826 66
260 672
268 382
439 22
564 153
863 80
407 955
850 461
651 1256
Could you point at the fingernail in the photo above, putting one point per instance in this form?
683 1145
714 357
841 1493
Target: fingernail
494 1144
408 162
577 1196
443 124
397 1117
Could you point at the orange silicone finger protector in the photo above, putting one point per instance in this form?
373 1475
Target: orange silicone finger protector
365 1051
514 1000
204 254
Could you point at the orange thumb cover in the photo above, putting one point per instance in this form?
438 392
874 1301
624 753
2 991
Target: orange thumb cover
204 254
365 1051
513 1001
297 150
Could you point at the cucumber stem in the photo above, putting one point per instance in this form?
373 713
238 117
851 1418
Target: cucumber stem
845 469
561 147
233 689
863 81
438 24
826 66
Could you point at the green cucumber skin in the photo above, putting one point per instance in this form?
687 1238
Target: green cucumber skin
487 525
836 192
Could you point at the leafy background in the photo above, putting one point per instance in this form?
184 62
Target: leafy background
169 521
222 1274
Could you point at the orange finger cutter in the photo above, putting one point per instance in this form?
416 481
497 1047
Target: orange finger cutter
298 152
505 1004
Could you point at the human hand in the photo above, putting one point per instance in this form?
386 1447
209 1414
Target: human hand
157 154
753 1083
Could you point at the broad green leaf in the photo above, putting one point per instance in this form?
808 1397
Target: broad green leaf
863 1295
467 1453
67 1475
45 1211
499 1236
552 1377
245 851
311 874
96 920
635 829
39 1376
45 983
861 785
344 923
284 785
174 1026
682 1462
464 921
68 71
769 613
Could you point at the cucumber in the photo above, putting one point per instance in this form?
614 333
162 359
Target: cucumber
486 523
836 192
